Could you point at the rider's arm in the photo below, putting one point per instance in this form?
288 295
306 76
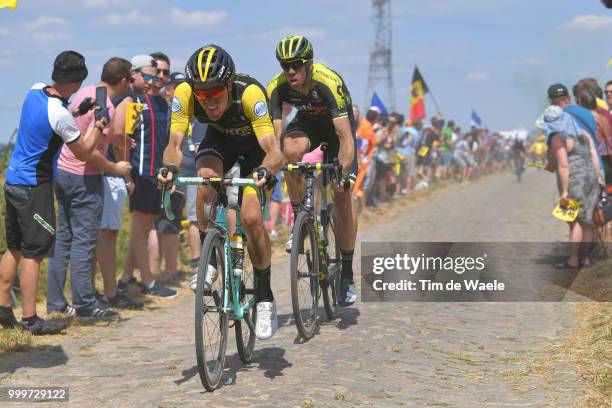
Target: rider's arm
346 154
278 128
255 107
182 109
274 158
333 91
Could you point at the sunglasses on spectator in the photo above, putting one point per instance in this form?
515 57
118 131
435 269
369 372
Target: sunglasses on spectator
214 93
608 91
297 64
166 72
148 77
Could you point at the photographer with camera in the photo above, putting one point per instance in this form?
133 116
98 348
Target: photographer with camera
45 125
79 189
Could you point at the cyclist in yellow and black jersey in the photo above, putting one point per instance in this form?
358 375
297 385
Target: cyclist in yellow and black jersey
239 129
324 114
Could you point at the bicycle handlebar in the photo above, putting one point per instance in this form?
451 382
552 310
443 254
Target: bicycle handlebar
207 181
307 167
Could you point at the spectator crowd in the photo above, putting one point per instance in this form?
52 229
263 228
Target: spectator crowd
119 156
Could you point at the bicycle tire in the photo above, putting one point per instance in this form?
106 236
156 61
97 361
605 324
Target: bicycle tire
304 243
211 300
334 265
245 328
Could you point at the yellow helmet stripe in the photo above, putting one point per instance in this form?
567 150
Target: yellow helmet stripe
285 48
297 38
211 52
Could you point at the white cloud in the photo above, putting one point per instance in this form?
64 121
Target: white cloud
198 18
449 6
476 76
133 17
50 37
589 23
535 62
101 3
277 34
113 4
44 21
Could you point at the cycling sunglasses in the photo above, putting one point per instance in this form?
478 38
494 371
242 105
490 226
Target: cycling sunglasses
214 93
296 64
166 72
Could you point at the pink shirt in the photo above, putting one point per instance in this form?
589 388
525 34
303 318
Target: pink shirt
67 160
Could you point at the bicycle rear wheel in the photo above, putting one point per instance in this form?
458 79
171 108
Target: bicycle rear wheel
210 318
304 275
245 328
334 265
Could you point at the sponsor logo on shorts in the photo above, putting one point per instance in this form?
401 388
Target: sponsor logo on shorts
176 105
260 109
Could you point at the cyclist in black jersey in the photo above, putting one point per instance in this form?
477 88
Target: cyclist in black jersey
325 114
240 129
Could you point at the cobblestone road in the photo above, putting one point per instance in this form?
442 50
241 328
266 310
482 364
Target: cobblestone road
373 355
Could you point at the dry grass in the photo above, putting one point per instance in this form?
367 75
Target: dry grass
14 340
587 352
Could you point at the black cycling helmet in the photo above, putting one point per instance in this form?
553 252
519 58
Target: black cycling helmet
294 47
210 66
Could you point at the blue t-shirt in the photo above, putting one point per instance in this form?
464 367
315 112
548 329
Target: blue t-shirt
45 125
584 118
152 135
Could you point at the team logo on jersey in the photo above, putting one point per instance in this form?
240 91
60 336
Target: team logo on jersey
176 105
260 109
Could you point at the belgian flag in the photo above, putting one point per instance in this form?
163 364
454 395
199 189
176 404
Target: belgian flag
418 89
8 3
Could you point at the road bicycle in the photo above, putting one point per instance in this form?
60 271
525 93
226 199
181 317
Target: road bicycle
231 295
315 253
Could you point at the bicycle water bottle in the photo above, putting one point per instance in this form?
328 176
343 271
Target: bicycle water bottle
237 253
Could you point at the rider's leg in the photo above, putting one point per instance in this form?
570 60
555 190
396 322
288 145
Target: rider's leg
258 243
346 228
295 145
207 166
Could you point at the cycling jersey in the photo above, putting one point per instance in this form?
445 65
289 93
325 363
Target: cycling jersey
327 99
44 126
247 117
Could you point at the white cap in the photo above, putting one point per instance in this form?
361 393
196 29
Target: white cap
141 61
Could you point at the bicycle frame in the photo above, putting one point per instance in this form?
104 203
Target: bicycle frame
232 307
321 239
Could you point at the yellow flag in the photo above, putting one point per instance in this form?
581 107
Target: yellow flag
132 116
8 3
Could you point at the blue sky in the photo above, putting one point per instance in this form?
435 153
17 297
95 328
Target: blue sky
494 56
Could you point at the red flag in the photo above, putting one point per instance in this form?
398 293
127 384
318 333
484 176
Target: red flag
418 89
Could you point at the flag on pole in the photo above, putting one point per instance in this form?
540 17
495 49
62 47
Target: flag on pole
418 89
475 120
377 102
12 4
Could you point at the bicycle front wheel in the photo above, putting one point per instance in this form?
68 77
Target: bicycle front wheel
304 275
245 328
334 265
211 321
